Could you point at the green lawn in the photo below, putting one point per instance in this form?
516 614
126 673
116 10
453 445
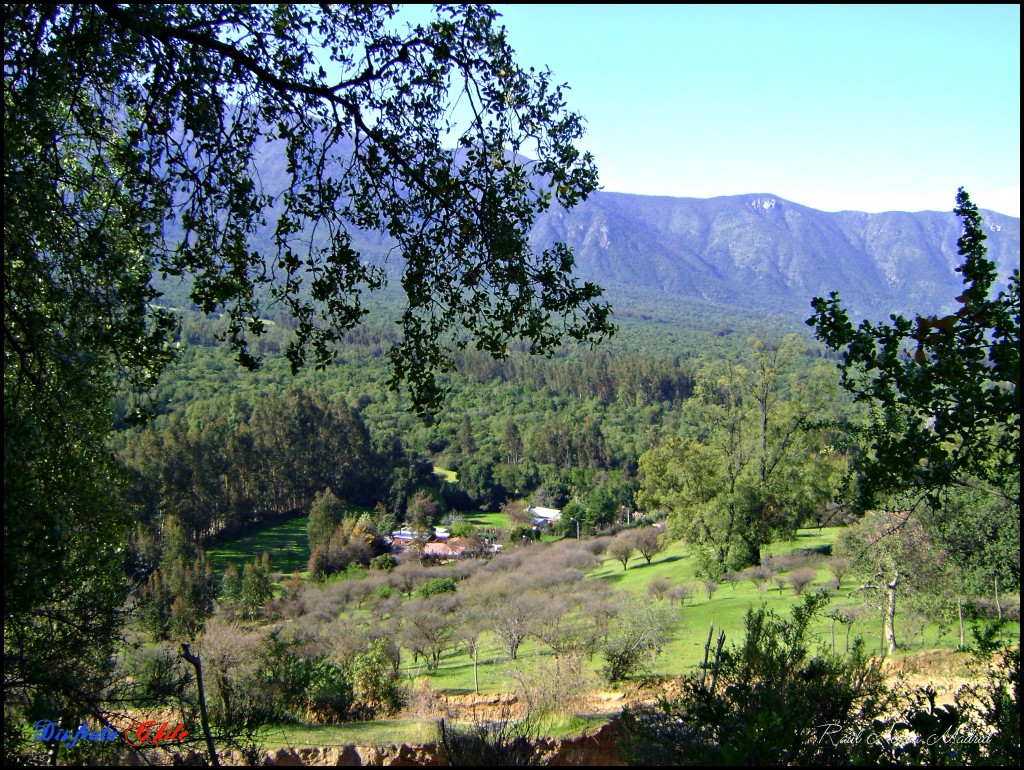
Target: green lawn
494 520
446 474
377 733
285 541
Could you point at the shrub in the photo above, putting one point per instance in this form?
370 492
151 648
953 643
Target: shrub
434 586
385 562
761 702
504 742
638 637
799 579
680 594
375 682
658 588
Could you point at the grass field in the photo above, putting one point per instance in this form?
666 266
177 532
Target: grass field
377 733
446 474
725 610
494 520
285 540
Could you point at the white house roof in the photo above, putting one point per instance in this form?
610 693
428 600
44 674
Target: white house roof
548 514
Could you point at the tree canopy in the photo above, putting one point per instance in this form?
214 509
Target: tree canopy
133 140
753 465
944 391
132 135
942 439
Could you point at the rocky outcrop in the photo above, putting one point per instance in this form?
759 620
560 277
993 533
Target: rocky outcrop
357 756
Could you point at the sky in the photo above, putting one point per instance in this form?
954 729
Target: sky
837 107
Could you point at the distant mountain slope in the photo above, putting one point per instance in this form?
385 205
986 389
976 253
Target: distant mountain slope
757 252
762 250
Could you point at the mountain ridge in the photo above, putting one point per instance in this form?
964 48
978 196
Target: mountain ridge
761 248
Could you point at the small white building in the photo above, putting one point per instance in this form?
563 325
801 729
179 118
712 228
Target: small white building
544 515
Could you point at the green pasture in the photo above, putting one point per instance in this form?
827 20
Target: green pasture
285 540
724 611
381 732
495 520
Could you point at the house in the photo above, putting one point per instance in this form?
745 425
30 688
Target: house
454 548
544 515
406 535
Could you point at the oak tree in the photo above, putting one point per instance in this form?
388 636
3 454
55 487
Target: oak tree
133 139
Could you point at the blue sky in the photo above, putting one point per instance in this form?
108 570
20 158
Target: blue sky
862 107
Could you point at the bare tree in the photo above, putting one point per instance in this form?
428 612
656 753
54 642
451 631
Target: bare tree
508 608
622 549
839 566
799 579
408 576
710 586
658 588
518 512
679 594
567 628
649 541
429 627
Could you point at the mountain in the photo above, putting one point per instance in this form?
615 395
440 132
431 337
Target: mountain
757 252
762 251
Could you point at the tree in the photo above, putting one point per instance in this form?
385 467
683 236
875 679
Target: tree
649 541
643 628
622 548
896 558
430 626
943 391
132 135
751 467
799 579
325 515
508 611
231 584
257 589
764 701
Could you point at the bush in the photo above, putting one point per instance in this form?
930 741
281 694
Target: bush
385 562
504 742
761 702
658 588
799 579
434 586
638 637
981 726
375 682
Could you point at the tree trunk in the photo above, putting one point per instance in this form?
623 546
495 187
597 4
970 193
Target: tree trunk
960 617
203 716
999 612
476 676
890 615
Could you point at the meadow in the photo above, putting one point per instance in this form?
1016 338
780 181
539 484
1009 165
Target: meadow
724 610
